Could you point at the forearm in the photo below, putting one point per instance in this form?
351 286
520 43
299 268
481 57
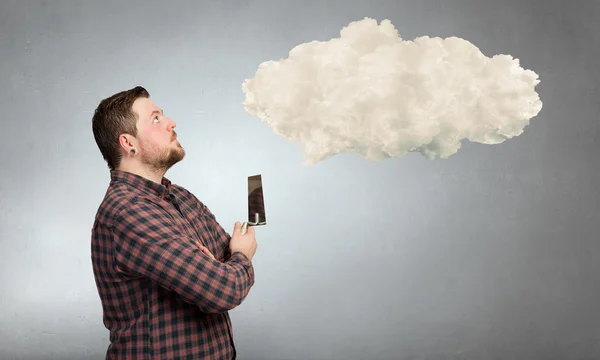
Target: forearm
242 287
162 254
213 286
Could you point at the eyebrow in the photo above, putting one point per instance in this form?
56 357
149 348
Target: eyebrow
156 112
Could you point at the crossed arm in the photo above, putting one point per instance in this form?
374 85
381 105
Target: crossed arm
148 243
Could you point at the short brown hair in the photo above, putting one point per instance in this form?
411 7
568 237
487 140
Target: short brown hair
113 117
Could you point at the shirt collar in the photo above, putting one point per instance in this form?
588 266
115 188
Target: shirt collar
141 183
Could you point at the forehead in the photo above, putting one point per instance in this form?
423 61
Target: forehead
144 107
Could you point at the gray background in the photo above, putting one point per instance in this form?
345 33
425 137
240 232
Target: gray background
490 254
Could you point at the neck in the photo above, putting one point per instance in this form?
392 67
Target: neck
155 175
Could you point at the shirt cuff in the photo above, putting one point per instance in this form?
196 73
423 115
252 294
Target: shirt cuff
243 260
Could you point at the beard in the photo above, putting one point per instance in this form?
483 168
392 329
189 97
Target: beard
161 160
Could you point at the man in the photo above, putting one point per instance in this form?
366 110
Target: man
167 273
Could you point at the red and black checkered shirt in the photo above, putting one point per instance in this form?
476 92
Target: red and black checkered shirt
161 296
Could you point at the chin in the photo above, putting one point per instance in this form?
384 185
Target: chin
180 153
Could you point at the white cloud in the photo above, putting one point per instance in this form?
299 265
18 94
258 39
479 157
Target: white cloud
371 93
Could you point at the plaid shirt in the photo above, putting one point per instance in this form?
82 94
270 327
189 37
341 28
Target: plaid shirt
162 298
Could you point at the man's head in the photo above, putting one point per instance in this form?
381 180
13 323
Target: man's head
133 134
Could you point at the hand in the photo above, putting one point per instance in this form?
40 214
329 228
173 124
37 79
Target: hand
246 244
205 250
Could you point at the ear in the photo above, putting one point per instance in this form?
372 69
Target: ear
127 142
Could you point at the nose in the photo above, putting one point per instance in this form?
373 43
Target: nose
172 124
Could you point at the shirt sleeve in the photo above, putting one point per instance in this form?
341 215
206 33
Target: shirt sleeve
148 243
222 236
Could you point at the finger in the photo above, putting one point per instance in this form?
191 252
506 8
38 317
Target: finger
202 248
208 253
237 227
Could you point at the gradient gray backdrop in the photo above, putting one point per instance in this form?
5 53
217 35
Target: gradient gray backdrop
490 254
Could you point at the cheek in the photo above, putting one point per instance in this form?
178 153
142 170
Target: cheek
153 132
152 135
153 140
157 135
148 142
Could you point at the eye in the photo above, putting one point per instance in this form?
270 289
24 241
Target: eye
155 119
